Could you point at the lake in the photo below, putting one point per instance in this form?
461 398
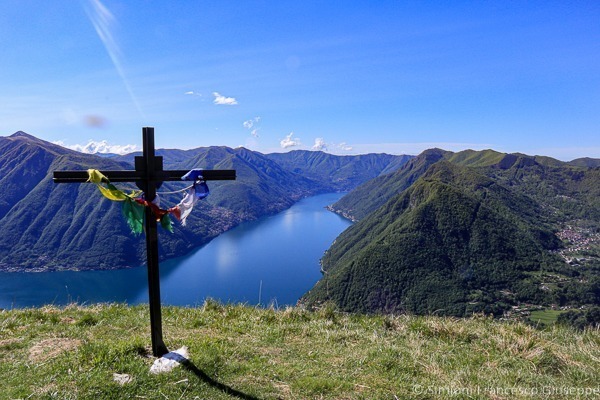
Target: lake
274 260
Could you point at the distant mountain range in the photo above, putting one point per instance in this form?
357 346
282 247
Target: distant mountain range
475 231
48 226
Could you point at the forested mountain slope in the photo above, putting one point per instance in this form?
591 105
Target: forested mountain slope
546 179
456 233
375 192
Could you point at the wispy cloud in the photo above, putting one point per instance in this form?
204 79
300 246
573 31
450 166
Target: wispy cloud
192 93
252 125
222 100
288 141
103 21
101 147
320 145
344 146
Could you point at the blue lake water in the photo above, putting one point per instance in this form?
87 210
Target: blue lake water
272 260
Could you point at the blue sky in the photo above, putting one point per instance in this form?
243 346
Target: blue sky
346 76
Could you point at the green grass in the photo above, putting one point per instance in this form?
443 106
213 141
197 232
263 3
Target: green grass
544 317
244 352
474 158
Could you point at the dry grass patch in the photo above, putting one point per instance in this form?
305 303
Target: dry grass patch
50 348
9 342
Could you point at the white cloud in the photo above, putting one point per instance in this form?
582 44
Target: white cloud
344 146
252 123
102 147
320 145
192 93
222 100
289 142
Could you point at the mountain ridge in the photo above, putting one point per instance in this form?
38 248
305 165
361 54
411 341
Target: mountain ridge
45 226
358 203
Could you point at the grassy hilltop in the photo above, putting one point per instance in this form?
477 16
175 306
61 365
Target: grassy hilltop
243 352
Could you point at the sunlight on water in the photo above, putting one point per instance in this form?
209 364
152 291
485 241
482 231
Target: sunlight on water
226 255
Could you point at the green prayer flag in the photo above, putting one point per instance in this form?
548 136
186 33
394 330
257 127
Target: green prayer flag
165 222
134 215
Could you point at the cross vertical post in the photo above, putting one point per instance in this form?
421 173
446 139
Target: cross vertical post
148 176
149 165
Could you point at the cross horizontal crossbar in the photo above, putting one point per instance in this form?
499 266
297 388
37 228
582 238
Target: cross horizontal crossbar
156 176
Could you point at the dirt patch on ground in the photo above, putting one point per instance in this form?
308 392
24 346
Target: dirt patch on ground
68 320
50 348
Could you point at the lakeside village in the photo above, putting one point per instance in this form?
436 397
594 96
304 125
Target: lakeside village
581 248
580 244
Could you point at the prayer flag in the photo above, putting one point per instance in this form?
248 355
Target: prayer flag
133 205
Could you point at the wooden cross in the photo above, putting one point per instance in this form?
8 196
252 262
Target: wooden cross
148 176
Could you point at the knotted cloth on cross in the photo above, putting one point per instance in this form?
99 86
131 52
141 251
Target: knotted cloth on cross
134 203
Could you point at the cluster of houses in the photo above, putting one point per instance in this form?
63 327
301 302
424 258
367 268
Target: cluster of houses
577 240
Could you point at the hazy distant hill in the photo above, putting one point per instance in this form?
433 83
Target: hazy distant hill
44 225
456 233
586 162
342 173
